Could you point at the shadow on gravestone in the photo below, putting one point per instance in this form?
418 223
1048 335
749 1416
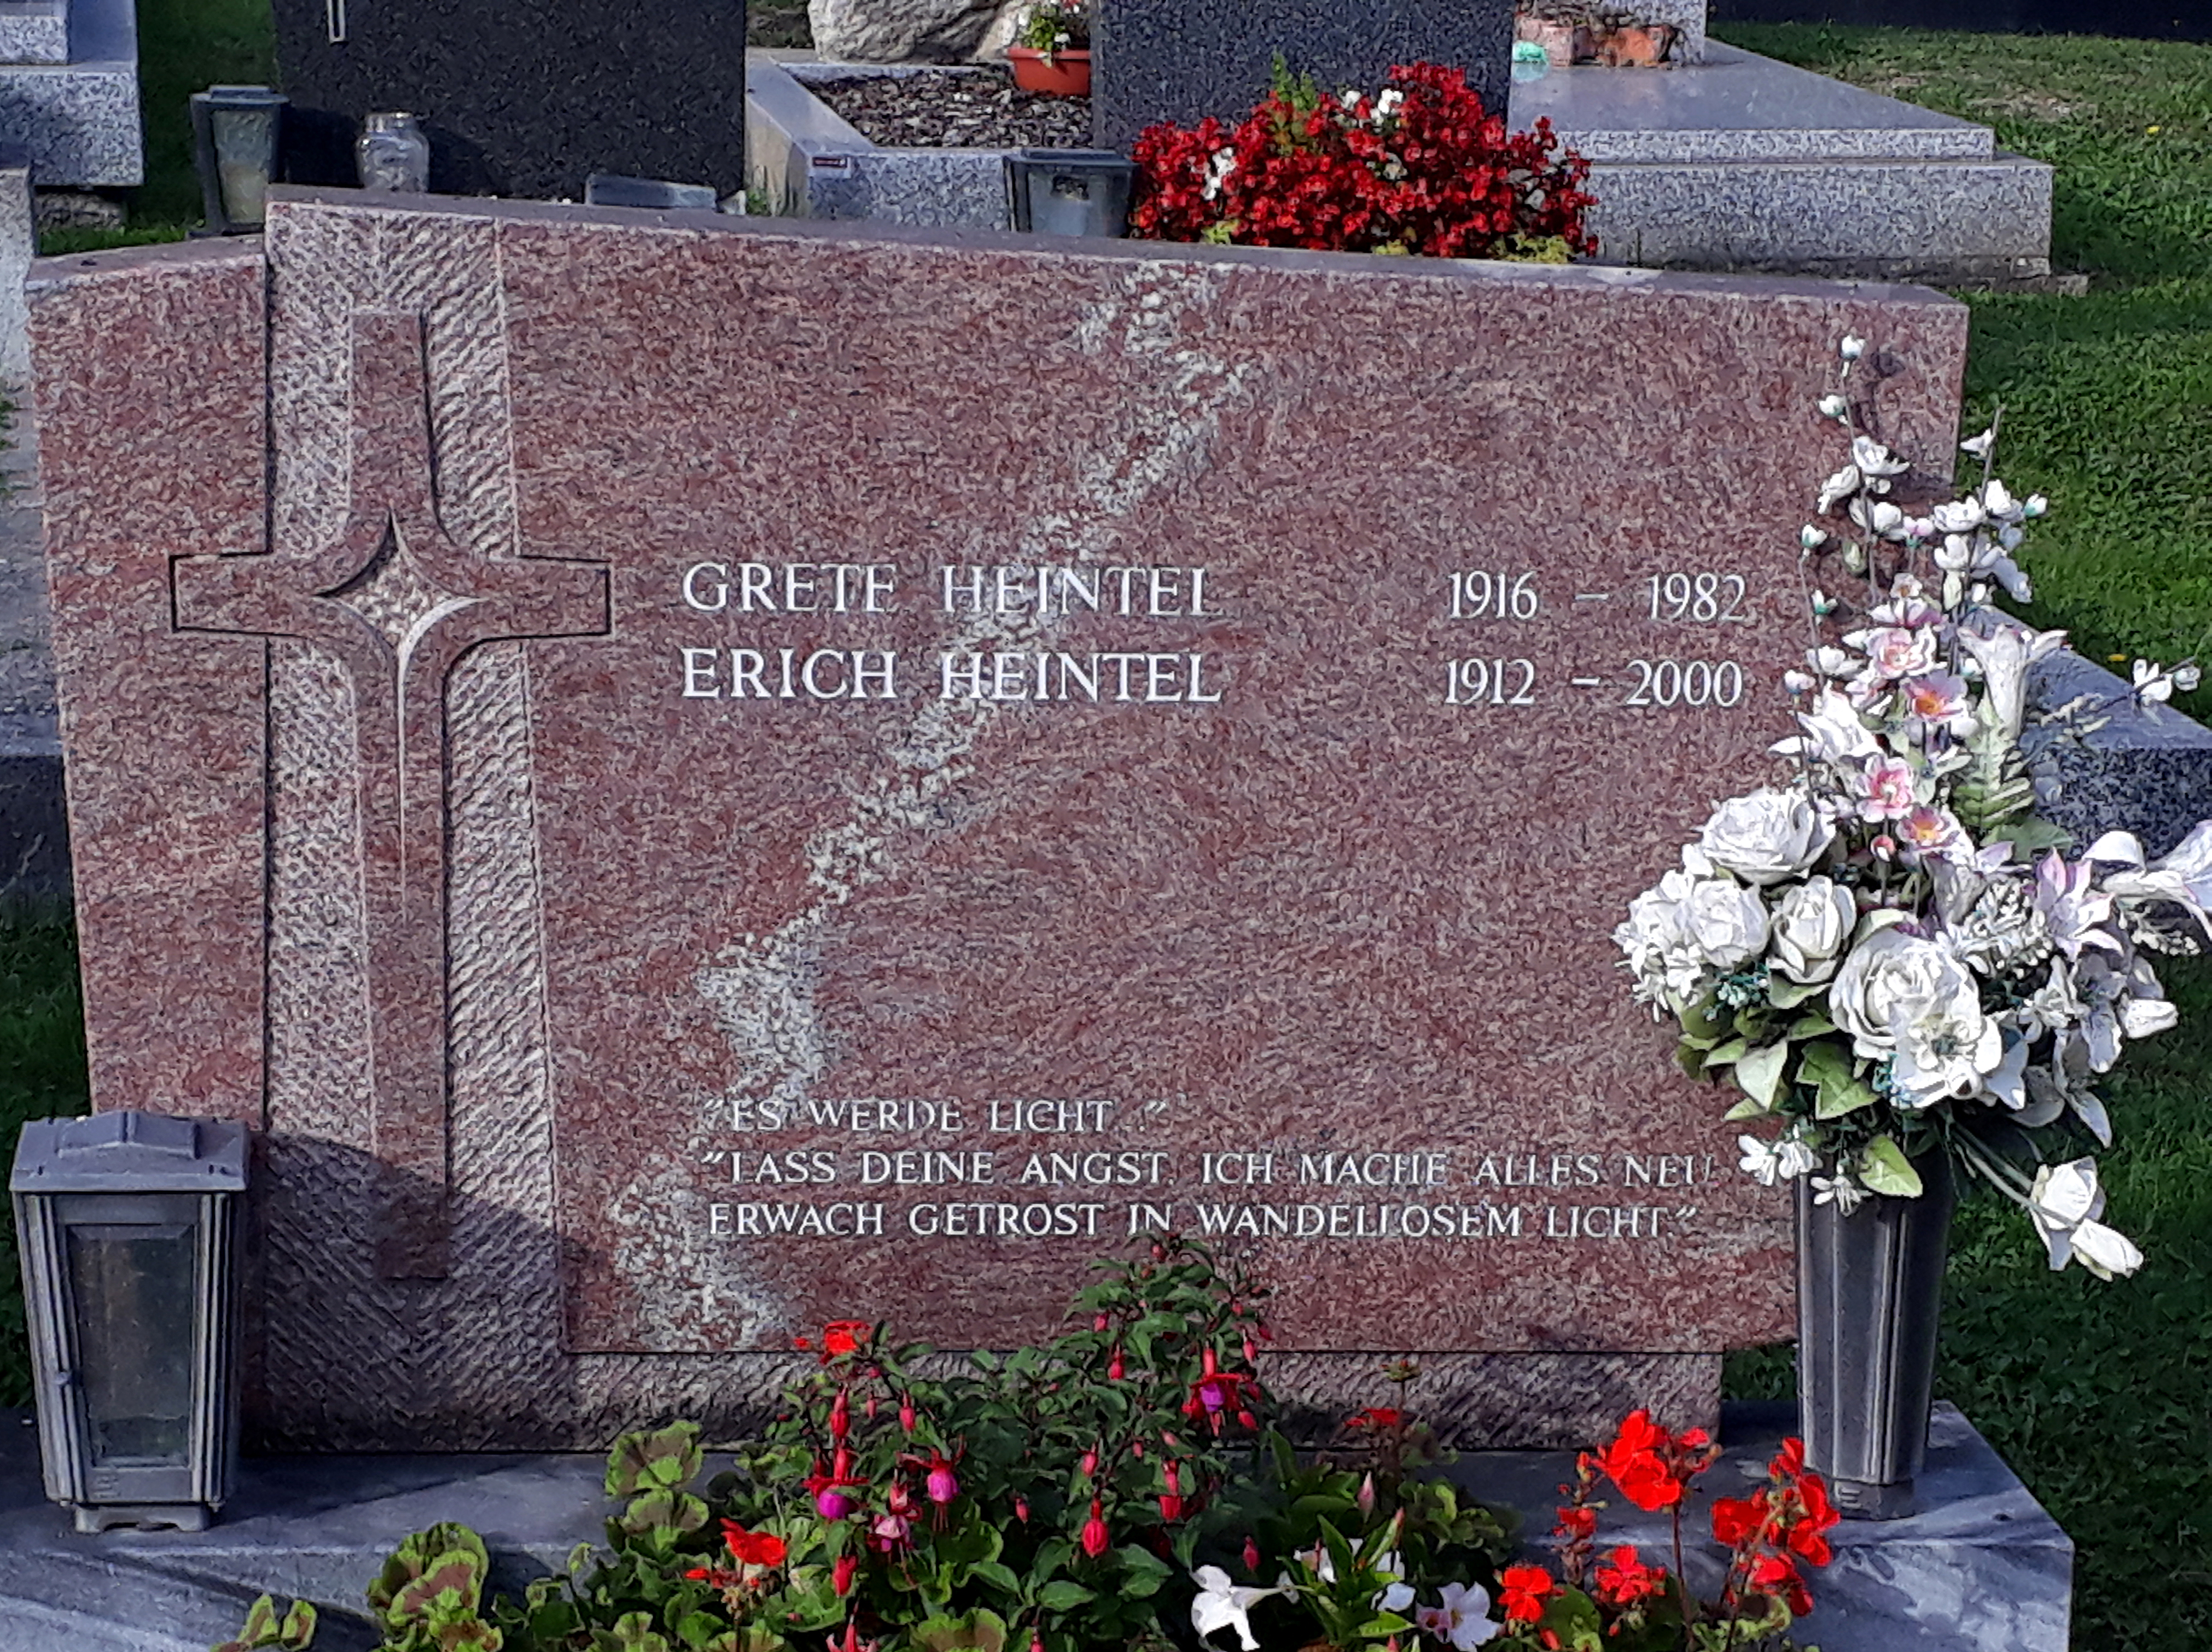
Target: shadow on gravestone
1182 60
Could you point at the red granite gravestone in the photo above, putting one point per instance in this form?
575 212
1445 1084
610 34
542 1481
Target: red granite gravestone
696 781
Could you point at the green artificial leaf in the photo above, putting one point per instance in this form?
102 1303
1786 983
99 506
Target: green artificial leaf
1840 1090
1884 1170
1758 1073
1743 1109
1788 994
1722 1055
1810 1026
2034 834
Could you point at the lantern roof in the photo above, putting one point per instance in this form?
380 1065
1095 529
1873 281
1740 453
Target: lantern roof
127 1151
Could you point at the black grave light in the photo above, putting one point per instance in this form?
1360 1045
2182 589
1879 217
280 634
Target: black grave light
130 1228
235 137
1069 191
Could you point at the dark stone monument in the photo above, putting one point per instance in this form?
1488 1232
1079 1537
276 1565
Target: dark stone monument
1182 60
520 100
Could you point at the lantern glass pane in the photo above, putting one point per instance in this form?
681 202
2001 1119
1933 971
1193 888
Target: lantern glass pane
244 155
135 1297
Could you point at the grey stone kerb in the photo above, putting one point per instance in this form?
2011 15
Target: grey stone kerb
2140 768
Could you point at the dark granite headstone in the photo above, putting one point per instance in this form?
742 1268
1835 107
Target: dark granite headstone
1182 60
522 99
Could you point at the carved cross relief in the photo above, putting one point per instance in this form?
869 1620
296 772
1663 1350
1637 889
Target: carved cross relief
398 602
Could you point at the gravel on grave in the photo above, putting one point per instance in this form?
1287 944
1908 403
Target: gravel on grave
965 109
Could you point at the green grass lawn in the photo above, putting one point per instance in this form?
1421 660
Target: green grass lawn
2099 1395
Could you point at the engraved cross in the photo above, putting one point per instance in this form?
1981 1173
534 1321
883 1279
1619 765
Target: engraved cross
398 602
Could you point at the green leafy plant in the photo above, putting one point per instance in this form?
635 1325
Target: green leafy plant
294 1631
1051 26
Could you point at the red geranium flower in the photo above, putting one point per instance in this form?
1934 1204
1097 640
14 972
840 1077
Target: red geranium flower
1737 1519
1577 1524
844 1336
1778 1575
1628 1579
1523 1589
752 1548
1376 1417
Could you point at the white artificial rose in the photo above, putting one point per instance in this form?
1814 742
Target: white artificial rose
1946 1047
1766 836
1726 920
1890 974
1812 925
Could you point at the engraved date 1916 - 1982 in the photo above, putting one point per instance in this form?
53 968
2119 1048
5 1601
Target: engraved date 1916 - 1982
1685 597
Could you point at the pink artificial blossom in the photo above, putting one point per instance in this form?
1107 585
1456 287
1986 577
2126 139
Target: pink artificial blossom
1889 794
1939 701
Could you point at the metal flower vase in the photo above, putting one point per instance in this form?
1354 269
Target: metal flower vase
1869 1297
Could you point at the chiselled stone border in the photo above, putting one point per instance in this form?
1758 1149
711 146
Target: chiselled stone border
810 162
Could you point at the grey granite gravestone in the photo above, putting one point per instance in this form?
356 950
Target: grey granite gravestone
520 100
1181 60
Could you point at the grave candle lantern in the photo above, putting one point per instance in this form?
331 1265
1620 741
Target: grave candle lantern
1069 191
234 133
129 1227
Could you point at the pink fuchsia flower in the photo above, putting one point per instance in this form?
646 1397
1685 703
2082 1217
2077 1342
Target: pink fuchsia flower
942 1486
1096 1538
1936 702
1889 792
890 1532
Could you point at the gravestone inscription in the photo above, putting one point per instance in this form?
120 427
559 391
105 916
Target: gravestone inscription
1182 60
680 831
524 102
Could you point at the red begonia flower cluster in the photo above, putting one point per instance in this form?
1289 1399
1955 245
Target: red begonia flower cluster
1420 167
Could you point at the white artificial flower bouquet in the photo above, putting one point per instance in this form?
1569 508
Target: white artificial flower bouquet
1893 955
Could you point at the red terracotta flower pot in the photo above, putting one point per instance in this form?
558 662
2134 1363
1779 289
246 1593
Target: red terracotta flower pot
1063 74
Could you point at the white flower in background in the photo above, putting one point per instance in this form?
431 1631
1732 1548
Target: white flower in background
1218 169
1888 788
1980 445
1839 488
1959 516
2067 896
1907 605
1766 836
1835 407
1851 348
1221 1603
1812 925
1463 1618
1811 538
2004 656
1839 1190
2183 876
1878 516
1872 459
1770 1162
1890 976
2064 1205
2153 682
2053 1007
1945 1047
1726 920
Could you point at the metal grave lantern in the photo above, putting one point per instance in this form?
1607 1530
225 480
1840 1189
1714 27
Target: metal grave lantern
131 1227
235 147
1069 191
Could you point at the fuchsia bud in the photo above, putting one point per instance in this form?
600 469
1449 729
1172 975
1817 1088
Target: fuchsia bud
1091 1462
1170 1506
1252 1556
1251 1351
1365 1499
1207 1362
1174 1480
1137 1449
1099 1323
906 1414
832 1504
841 1574
841 1465
1037 1641
841 1416
871 1408
1096 1538
1114 1367
1021 1510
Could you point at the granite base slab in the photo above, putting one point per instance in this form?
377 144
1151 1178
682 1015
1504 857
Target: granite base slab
78 120
1735 162
1982 1569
